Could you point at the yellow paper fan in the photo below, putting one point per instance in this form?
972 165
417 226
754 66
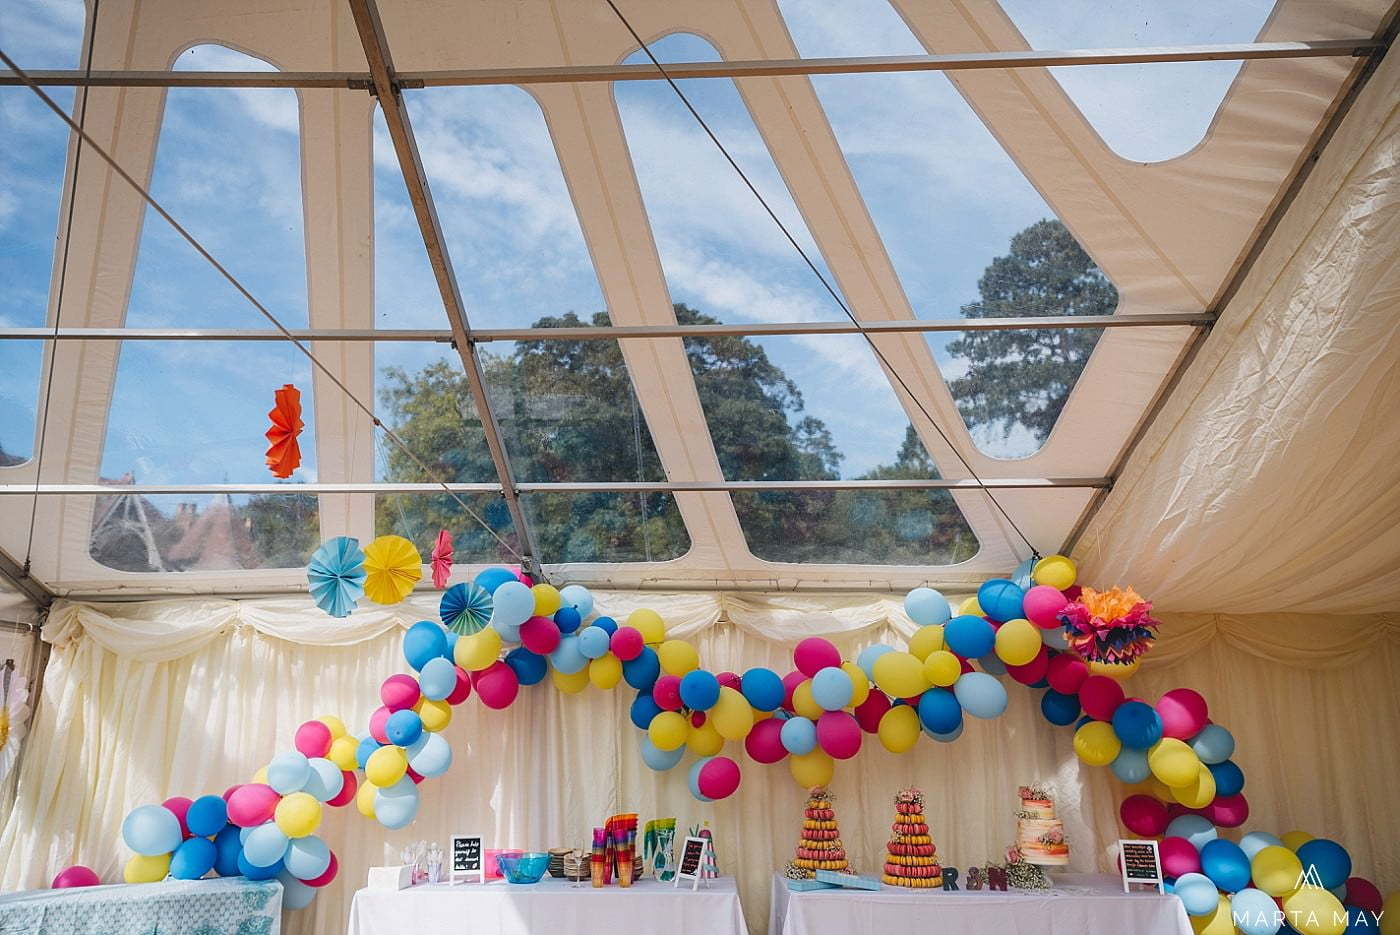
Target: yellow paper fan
392 567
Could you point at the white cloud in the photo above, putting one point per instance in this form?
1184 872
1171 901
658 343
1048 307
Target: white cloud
9 206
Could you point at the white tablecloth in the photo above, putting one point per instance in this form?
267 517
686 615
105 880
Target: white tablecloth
550 907
1078 904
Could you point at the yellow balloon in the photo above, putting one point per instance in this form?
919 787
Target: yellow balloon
899 729
334 724
605 671
261 775
1018 642
140 869
547 599
298 814
860 685
1390 914
969 606
1275 870
942 668
705 739
572 683
436 715
342 752
386 766
1173 762
899 674
479 650
1295 839
731 715
678 657
1313 910
803 702
1159 790
1197 794
1056 571
926 640
649 623
812 769
1096 744
668 730
1218 922
1118 671
364 798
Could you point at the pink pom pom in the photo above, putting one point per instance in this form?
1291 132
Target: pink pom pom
1042 605
764 744
1100 696
627 643
312 739
1143 815
814 654
1184 713
718 778
838 734
1179 857
252 805
77 875
463 691
347 789
179 806
1066 673
377 721
399 692
497 685
667 693
869 711
540 635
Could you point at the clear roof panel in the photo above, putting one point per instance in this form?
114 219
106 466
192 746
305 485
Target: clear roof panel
419 517
605 527
43 33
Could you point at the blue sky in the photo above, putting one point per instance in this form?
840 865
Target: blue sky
943 196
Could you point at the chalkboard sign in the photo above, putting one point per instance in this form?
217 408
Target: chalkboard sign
692 861
466 858
1142 866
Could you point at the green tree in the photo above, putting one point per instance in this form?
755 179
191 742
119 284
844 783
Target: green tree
284 528
1024 377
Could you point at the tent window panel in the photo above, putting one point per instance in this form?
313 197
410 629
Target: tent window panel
423 394
44 34
605 527
418 517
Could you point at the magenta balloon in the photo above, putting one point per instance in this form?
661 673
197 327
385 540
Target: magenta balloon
764 744
179 806
312 739
377 723
77 875
627 643
1067 673
252 805
497 685
667 693
838 733
463 691
790 683
1033 671
1143 815
399 692
1100 697
539 635
718 778
1184 713
1042 605
730 680
1179 856
814 654
1227 811
869 711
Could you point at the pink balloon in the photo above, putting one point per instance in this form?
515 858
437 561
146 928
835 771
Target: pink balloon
729 680
463 691
252 805
1033 671
790 683
667 693
179 806
838 733
1143 815
328 876
1066 673
497 685
1042 605
377 720
814 654
77 875
1361 893
1100 696
414 775
764 744
869 711
540 635
347 789
523 578
627 643
1227 811
1179 857
312 739
231 790
697 718
718 778
1183 713
399 692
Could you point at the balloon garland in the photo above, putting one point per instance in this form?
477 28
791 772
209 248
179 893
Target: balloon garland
1039 628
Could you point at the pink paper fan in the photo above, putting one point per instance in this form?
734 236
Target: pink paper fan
442 559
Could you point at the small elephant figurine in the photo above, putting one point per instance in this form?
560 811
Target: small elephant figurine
950 879
996 878
974 878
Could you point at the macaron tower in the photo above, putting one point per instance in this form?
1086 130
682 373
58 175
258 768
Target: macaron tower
911 859
820 846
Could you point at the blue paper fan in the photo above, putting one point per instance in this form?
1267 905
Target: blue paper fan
336 574
465 609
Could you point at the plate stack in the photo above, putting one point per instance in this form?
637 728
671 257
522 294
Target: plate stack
556 861
576 866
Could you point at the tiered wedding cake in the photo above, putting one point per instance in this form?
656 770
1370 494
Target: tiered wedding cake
911 859
820 846
1040 836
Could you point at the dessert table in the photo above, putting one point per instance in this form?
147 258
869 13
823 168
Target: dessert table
1075 904
550 907
231 906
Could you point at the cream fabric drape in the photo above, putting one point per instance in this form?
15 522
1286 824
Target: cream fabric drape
146 700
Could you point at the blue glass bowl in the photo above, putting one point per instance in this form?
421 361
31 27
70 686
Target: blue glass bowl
527 868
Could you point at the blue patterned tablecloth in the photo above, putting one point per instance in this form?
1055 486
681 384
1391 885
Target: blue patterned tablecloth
233 906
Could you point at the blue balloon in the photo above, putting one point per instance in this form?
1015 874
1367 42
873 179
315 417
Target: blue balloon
939 711
490 579
641 673
511 605
948 737
1197 894
307 858
567 658
980 694
254 872
1331 860
693 780
1229 778
798 736
326 780
567 619
991 664
1130 766
396 807
1226 865
430 756
660 760
438 678
594 641
699 690
606 624
644 708
1086 719
288 772
763 689
867 657
1022 575
832 688
969 636
1214 744
424 640
152 830
927 607
1137 724
1059 709
295 893
1255 841
193 859
452 639
1194 828
265 845
228 847
363 751
1000 599
207 816
1254 912
577 598
529 668
403 727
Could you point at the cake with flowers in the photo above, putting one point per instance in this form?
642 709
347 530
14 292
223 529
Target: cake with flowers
820 846
1040 836
910 858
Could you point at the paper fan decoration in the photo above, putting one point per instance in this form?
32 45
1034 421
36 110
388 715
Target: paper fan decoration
393 566
465 609
336 574
442 559
283 452
1114 626
14 715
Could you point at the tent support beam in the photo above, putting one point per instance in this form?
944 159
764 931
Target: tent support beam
573 74
391 103
15 573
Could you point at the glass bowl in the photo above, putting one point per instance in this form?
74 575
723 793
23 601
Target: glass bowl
526 868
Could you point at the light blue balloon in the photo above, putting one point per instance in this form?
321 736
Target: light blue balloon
567 658
1255 841
593 642
980 694
326 779
511 605
437 679
430 756
295 894
798 736
1054 638
832 688
288 772
693 780
1214 744
578 597
1022 575
657 759
265 845
509 635
1194 828
991 664
1197 894
950 736
307 858
867 657
152 830
1254 912
1130 766
927 607
394 807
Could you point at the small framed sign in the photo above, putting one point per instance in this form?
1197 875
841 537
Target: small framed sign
466 858
692 861
1142 866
